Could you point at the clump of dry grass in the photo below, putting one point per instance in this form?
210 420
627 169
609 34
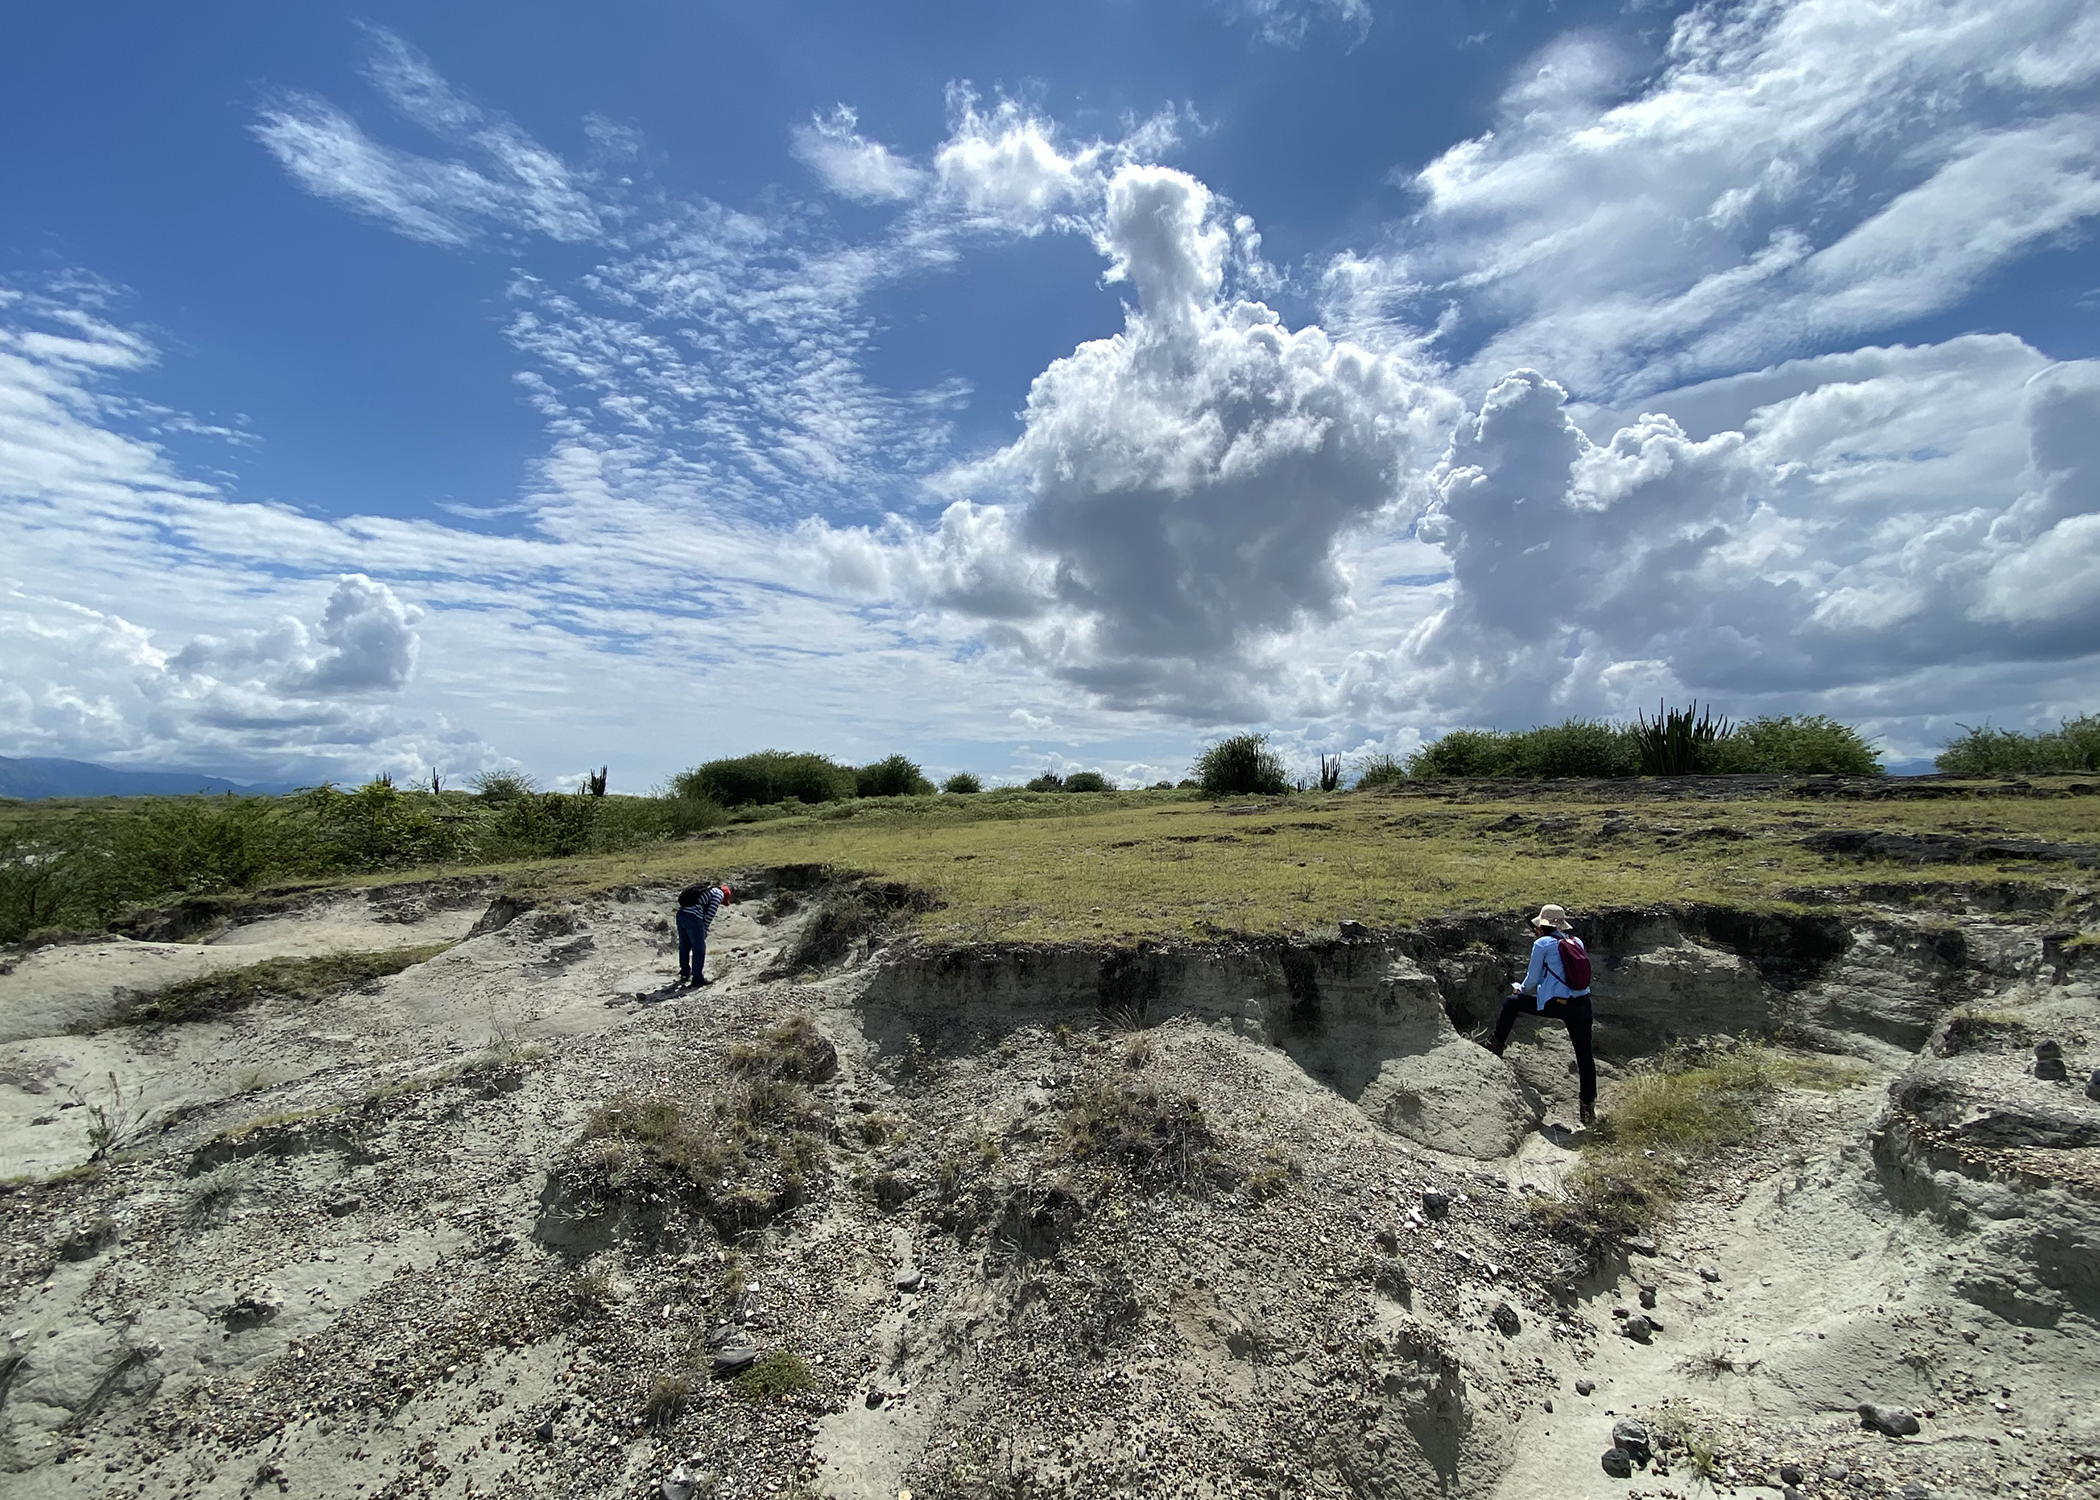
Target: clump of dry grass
1151 1133
745 1156
1670 1120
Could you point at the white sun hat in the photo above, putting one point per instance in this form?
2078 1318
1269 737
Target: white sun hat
1551 916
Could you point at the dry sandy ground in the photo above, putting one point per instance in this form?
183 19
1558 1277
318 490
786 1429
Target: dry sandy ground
350 1255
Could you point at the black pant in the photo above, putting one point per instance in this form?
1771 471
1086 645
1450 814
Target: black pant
1575 1012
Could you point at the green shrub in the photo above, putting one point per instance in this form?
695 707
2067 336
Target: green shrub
1681 741
1463 752
1087 781
893 776
962 783
1677 742
768 777
1983 751
1049 781
1575 747
1380 769
1795 745
501 786
774 1377
1242 765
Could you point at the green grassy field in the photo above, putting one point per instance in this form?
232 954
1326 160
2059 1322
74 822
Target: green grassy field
1171 867
1120 867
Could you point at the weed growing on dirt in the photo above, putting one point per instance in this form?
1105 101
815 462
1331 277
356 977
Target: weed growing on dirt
667 1400
212 1193
114 1122
774 1377
1670 1119
744 1157
793 1049
302 981
1153 1135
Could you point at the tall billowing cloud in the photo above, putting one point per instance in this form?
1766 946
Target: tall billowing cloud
1887 524
1185 487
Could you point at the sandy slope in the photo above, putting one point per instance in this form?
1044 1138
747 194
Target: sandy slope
360 1250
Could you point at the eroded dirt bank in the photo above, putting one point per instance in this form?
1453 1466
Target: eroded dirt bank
1238 1219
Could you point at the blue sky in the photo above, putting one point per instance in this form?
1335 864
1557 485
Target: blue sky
542 386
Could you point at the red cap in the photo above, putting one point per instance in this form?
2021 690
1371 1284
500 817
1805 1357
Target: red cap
725 890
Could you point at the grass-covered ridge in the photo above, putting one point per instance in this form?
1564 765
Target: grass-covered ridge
1016 866
1133 866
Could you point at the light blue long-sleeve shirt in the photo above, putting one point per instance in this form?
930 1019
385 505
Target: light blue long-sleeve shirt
1543 978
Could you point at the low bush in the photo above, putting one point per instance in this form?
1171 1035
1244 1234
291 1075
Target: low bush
894 776
962 783
1380 769
1677 742
1795 745
744 1156
1240 766
2074 745
774 1377
767 777
1088 781
1049 781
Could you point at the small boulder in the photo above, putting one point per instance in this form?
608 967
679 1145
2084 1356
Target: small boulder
678 1484
1896 1421
1354 931
1387 1241
1640 1244
1506 1320
1435 1205
1709 1273
1790 1474
2092 1085
1648 1296
732 1359
1638 1328
2049 1062
910 1279
1632 1436
1584 1387
1618 1463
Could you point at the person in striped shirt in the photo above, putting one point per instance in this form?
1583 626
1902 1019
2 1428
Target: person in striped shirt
697 905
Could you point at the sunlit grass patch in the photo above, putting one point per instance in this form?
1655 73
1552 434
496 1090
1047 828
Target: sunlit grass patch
303 981
1663 1126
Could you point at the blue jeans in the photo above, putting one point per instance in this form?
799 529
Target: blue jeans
692 946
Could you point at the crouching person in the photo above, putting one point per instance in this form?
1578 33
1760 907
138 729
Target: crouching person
697 905
1556 985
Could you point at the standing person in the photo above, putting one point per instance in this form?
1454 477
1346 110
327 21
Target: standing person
1558 980
697 905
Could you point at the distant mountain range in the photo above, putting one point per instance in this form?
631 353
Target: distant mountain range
41 776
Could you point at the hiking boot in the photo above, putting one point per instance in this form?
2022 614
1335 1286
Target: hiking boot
1589 1113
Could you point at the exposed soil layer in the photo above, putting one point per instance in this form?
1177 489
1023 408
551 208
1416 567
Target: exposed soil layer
1246 1218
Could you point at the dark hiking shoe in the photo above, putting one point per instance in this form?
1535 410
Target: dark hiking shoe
1589 1114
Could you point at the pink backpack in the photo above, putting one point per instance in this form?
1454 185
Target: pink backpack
1574 965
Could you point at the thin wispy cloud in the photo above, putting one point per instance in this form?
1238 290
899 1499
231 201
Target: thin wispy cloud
1796 171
